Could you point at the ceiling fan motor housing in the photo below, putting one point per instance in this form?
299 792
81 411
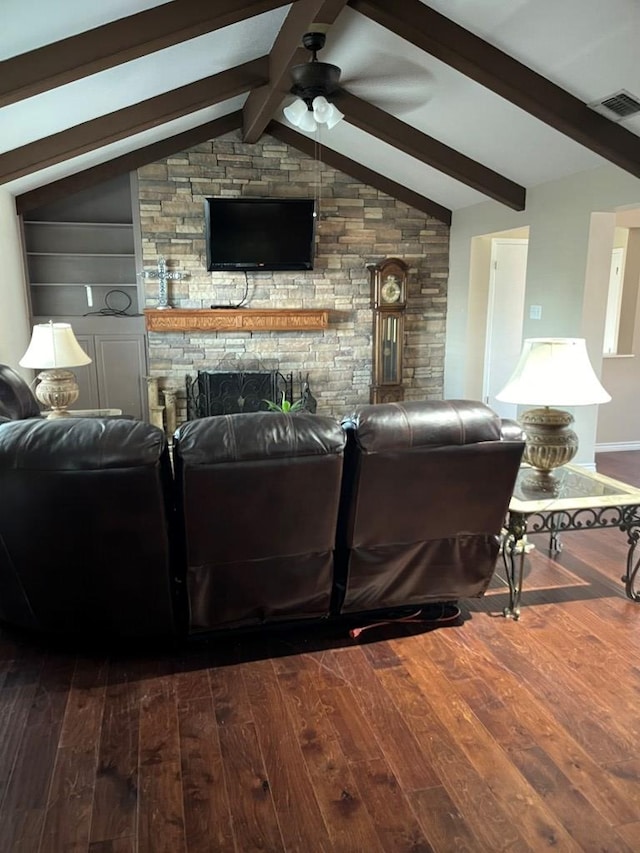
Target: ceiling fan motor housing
314 78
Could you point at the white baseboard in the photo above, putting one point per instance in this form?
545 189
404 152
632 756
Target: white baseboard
614 446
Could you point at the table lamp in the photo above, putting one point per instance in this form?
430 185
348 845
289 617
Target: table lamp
551 372
54 347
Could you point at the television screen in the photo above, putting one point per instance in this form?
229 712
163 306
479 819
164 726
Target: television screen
259 233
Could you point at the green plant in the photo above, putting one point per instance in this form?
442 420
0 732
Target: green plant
284 405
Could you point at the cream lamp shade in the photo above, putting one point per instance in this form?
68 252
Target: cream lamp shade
54 345
554 372
551 372
52 349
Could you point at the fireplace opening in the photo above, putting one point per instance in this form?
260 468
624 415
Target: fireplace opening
219 392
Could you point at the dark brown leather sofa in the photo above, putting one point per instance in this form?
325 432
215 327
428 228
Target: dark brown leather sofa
268 518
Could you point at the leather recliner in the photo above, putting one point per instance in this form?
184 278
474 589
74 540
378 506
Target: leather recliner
257 502
426 490
84 527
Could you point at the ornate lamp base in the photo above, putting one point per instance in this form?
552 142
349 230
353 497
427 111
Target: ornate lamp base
550 444
58 390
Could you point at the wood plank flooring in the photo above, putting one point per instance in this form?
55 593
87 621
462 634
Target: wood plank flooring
489 735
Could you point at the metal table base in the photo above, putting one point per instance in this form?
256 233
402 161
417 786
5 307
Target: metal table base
598 502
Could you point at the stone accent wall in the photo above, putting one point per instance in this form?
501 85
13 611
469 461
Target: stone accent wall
358 225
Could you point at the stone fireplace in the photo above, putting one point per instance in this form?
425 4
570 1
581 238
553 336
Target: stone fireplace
358 225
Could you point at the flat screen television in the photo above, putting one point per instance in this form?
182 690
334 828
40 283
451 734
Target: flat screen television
260 233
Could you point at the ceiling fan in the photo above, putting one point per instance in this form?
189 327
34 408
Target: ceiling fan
398 84
312 82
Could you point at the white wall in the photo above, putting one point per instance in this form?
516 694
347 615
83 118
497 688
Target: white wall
15 330
567 274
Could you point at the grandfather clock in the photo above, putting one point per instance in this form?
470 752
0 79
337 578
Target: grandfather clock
389 300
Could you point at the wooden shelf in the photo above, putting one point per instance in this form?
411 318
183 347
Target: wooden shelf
236 320
80 255
107 284
74 223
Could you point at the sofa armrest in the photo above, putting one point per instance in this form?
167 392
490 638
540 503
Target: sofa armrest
16 399
511 430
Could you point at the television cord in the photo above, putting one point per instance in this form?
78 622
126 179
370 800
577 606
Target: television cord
110 310
242 301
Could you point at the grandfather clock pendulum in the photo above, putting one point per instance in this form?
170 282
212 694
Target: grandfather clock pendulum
389 300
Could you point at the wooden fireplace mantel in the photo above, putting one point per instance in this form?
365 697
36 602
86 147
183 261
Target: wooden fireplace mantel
236 319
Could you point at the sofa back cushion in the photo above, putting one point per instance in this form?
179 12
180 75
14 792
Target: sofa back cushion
258 499
84 527
427 487
16 398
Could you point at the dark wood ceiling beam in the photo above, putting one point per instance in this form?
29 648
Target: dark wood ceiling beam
131 120
65 187
428 150
528 90
119 41
358 171
287 51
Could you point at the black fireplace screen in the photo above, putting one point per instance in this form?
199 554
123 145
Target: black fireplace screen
219 393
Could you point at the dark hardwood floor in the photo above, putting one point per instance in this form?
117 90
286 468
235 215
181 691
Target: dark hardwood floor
488 735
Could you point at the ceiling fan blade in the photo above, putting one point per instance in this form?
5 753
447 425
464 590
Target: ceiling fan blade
402 97
396 85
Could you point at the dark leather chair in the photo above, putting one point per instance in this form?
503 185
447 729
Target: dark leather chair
426 490
84 527
16 398
257 501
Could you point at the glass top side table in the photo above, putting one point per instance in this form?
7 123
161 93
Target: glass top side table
582 500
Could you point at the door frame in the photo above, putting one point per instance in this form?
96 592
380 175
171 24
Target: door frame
496 242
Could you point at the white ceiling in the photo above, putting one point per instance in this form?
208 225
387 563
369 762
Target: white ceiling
588 47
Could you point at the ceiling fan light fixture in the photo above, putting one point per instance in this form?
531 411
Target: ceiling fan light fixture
334 117
307 122
321 108
296 111
326 113
307 115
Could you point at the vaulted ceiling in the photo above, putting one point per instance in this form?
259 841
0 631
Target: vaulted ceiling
446 102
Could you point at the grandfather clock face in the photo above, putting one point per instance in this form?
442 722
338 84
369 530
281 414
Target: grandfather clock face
389 300
390 290
389 284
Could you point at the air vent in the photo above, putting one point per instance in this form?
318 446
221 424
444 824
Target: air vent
618 106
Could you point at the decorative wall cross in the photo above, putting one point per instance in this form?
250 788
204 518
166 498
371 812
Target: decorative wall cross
164 275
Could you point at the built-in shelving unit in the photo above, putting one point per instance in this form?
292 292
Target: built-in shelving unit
74 266
81 263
